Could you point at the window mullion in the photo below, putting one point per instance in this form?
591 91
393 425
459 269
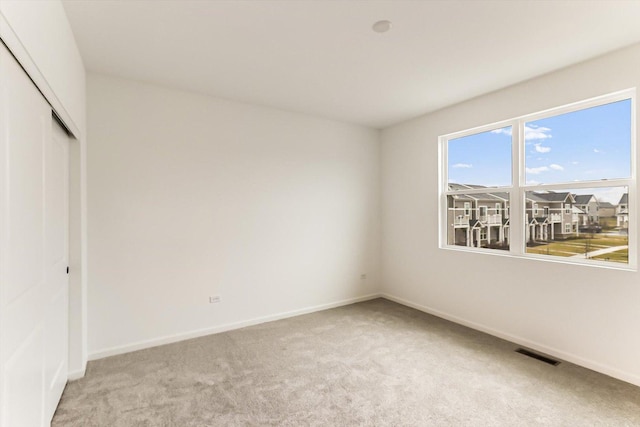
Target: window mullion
516 221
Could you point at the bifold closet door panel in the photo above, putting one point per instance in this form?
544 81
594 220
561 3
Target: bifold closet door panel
32 250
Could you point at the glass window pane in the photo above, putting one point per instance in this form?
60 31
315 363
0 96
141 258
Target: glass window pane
481 159
478 220
589 223
585 145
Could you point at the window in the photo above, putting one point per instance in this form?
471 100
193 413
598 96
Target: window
477 178
546 172
483 213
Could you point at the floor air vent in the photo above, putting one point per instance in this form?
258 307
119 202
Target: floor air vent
538 357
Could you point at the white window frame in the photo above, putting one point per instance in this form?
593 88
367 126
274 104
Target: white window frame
518 189
467 208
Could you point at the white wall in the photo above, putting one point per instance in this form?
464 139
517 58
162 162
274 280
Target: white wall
584 314
46 39
38 34
192 196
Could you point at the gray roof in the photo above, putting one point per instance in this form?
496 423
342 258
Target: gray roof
500 196
461 197
583 199
605 205
624 199
549 196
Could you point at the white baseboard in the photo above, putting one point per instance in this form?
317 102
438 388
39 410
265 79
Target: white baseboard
76 375
154 342
572 358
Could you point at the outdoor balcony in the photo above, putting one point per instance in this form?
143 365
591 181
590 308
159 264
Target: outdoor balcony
495 219
555 217
461 221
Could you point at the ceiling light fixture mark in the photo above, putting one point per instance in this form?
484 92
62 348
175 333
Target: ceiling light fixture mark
382 26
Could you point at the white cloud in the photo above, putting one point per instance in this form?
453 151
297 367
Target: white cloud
541 149
536 132
556 167
538 170
575 163
503 131
531 132
462 165
595 150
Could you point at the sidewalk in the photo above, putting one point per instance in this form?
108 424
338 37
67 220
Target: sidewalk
601 252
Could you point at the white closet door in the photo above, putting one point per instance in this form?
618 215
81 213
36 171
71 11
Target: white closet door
33 252
56 240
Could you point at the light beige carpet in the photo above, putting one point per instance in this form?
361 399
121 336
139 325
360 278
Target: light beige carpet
375 363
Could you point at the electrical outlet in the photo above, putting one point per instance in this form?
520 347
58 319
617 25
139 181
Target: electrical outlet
363 276
214 299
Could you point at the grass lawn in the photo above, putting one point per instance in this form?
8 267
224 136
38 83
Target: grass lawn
617 256
566 248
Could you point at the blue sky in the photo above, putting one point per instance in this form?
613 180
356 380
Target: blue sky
590 144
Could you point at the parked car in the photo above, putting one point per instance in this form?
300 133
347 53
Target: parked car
593 228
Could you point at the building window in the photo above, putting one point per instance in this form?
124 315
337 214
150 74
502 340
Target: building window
483 213
539 170
467 209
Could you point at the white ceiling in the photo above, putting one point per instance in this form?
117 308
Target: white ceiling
322 58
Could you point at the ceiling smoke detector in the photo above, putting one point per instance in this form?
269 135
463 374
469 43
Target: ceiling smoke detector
382 26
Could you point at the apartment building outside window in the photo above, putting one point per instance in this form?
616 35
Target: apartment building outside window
552 171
